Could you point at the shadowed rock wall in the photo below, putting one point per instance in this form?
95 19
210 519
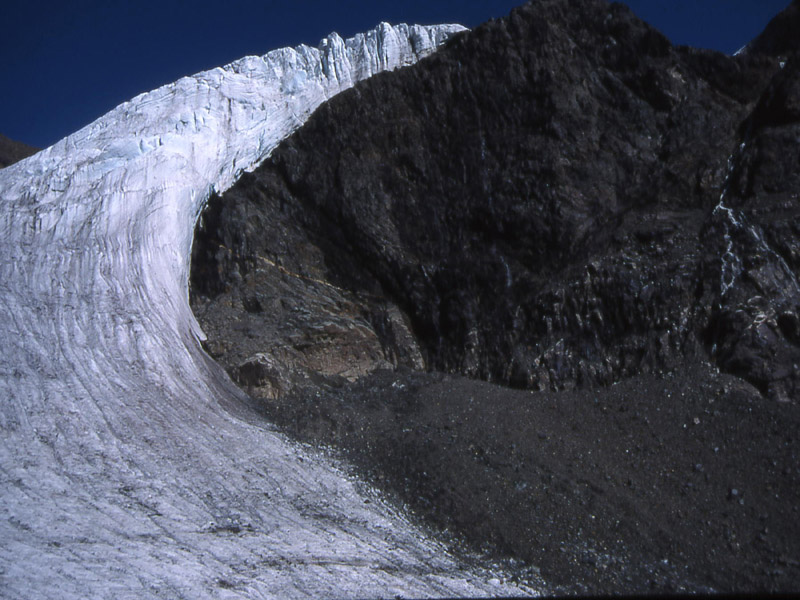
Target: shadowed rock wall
539 205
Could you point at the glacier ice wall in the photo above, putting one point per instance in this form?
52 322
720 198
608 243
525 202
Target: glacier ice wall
131 466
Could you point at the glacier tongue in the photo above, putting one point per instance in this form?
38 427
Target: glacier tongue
131 466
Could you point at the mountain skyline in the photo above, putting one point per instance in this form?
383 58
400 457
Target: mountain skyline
69 64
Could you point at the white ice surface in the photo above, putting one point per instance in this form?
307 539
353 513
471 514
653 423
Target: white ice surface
130 467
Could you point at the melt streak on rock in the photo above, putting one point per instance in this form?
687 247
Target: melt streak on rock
130 465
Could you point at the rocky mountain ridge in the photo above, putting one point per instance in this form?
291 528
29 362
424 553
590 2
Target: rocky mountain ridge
562 202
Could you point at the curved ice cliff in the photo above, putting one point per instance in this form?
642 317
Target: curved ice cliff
131 466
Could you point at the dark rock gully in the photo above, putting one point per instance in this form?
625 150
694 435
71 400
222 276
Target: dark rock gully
542 288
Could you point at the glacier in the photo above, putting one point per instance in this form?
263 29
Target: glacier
131 466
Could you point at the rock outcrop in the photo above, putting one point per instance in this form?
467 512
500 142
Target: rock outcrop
12 151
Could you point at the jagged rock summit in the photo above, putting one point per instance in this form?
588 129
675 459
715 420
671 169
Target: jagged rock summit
131 467
564 203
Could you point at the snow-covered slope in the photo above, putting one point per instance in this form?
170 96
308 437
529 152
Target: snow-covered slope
130 465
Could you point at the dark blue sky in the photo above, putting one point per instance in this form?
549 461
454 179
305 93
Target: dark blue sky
66 63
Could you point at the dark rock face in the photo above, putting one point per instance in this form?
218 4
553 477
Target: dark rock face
753 333
538 199
559 200
12 151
